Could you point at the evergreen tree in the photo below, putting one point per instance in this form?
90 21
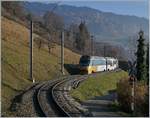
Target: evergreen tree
147 63
141 62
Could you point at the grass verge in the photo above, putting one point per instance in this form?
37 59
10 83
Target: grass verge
97 86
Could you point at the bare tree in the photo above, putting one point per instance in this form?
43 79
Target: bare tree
50 43
14 8
39 42
53 21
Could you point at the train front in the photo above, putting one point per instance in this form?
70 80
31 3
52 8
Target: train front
84 65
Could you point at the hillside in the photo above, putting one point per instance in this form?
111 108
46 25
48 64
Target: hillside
106 27
15 61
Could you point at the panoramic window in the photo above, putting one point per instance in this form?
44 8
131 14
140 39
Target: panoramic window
98 62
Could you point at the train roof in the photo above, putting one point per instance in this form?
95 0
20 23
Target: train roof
110 58
95 57
92 57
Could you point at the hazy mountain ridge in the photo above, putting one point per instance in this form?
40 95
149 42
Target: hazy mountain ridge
104 25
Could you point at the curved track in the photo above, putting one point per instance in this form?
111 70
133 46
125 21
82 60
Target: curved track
45 100
67 104
52 99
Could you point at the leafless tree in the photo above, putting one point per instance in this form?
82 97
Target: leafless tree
50 43
53 21
14 8
38 42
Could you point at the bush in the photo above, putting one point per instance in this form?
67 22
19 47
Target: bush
124 94
140 98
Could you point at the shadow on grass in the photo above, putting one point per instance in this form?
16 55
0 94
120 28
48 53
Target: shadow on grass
72 69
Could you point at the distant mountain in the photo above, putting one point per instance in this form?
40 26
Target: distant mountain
106 27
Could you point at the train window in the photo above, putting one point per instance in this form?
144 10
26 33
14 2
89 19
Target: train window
98 62
84 62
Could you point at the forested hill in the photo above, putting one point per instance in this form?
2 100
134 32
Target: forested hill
105 26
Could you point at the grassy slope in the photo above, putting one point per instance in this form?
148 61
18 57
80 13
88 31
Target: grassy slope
15 61
97 86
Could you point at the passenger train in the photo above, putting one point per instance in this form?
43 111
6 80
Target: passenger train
92 64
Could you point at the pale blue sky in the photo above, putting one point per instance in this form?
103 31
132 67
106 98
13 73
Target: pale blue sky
125 7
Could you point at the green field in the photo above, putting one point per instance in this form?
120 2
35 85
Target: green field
97 86
15 61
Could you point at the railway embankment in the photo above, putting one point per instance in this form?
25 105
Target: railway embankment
98 85
97 94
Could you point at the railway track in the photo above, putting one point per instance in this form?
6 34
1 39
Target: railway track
52 99
39 99
64 101
46 102
56 103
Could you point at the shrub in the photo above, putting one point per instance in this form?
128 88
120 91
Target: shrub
124 94
140 98
141 101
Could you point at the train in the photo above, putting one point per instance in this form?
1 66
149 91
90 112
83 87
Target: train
92 64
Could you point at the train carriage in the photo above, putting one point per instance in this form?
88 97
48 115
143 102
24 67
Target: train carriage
112 63
92 64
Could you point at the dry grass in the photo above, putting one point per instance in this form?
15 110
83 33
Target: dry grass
15 61
125 98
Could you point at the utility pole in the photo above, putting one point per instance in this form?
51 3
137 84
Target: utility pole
62 52
31 52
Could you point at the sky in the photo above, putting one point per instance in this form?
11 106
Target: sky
125 7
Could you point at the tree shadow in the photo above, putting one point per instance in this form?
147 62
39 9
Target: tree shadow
72 69
124 65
